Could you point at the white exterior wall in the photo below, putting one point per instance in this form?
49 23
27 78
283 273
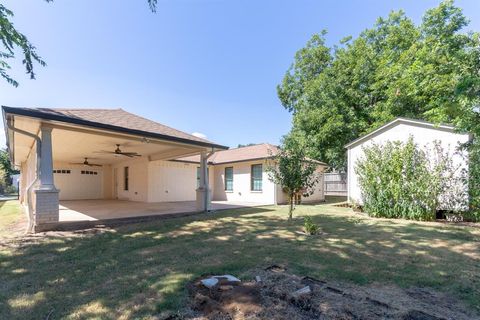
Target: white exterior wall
28 171
78 186
158 181
161 181
318 193
423 135
241 184
173 181
23 182
137 180
149 181
107 182
177 181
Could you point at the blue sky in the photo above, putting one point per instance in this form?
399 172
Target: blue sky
208 66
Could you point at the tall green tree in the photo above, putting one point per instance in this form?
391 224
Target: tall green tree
428 71
6 167
11 39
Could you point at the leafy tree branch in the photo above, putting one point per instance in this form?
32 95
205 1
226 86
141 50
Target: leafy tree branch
12 40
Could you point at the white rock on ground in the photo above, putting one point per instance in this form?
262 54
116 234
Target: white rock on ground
213 280
304 290
209 282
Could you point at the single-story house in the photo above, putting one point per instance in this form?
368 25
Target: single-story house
240 175
424 134
99 164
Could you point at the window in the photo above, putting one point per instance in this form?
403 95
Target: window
61 171
229 179
88 172
125 178
256 177
198 177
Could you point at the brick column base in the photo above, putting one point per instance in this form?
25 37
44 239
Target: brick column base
45 206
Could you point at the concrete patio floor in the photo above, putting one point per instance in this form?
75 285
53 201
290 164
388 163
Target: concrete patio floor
92 210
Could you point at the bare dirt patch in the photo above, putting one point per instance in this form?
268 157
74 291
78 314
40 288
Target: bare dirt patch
275 298
21 239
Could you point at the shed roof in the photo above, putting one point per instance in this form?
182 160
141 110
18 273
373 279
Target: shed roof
396 122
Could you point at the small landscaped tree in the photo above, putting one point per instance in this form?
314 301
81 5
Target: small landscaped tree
293 171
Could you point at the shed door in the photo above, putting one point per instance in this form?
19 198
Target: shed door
76 184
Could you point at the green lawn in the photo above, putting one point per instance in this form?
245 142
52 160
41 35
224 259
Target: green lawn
140 270
9 216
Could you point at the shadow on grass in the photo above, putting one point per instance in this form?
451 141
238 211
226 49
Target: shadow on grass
140 270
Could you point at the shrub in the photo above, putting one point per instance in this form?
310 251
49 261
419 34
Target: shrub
472 215
310 227
474 180
11 189
400 180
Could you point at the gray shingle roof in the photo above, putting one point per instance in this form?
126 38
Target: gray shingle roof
254 152
114 118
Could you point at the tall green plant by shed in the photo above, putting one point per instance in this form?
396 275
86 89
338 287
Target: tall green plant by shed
401 180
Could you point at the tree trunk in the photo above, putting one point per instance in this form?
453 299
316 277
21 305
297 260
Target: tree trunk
290 211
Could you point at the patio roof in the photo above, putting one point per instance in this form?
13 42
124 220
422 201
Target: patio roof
81 133
112 119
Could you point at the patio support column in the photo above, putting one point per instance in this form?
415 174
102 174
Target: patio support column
203 197
46 195
46 160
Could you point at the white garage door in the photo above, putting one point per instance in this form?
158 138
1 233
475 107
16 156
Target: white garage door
76 184
172 182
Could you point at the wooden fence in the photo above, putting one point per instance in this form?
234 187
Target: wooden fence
335 184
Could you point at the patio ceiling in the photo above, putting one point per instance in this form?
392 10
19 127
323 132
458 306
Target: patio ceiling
73 143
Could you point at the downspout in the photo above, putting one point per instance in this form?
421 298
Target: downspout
207 181
275 185
37 171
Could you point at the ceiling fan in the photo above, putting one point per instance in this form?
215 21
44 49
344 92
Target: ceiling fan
86 163
120 152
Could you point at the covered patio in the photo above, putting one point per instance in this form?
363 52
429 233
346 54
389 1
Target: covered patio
103 164
100 210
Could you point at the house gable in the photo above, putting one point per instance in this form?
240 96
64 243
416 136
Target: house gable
397 122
